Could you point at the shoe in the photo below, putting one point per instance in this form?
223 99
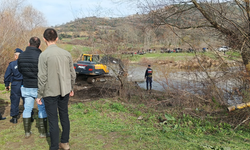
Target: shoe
27 127
43 127
1 117
64 146
14 119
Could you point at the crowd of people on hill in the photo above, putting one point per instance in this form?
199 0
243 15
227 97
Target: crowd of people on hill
140 52
45 77
165 50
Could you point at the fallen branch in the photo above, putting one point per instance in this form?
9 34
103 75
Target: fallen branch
242 122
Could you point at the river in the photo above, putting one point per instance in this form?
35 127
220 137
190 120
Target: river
190 81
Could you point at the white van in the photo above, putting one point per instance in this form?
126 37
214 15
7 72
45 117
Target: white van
223 48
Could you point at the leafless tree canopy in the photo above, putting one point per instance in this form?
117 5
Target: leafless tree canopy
230 18
17 24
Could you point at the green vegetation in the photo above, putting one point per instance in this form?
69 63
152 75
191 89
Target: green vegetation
70 39
2 87
70 47
75 50
160 56
169 56
234 54
107 124
181 56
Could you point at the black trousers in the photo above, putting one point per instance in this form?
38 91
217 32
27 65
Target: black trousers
15 95
149 81
51 106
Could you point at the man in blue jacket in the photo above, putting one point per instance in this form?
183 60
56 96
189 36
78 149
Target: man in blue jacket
13 76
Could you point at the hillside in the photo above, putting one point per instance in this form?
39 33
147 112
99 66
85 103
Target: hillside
144 30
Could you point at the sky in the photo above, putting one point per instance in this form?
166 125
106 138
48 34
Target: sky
57 12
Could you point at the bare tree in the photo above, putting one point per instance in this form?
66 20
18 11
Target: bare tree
230 18
17 24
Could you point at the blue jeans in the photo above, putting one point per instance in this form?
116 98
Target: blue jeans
30 94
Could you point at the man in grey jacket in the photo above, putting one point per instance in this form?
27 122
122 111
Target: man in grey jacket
56 77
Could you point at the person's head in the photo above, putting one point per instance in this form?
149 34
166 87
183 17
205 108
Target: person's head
149 66
17 52
50 35
35 42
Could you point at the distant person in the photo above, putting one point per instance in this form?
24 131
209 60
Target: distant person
148 76
204 49
56 77
28 67
13 76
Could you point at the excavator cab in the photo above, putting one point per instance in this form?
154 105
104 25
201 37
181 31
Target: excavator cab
90 58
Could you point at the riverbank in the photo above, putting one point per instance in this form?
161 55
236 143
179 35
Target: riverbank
113 124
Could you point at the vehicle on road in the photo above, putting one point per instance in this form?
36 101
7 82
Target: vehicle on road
223 48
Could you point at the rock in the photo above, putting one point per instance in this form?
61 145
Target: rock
140 118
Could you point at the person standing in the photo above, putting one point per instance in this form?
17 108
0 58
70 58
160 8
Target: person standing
13 76
56 77
148 76
28 67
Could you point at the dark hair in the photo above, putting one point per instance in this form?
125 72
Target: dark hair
149 65
35 41
50 34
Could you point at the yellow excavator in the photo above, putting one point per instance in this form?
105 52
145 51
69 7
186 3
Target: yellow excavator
93 68
90 67
238 106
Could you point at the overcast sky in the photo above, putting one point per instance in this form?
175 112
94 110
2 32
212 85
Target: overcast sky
58 12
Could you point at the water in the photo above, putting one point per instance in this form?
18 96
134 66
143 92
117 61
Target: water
192 82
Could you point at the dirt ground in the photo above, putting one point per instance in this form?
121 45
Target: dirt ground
84 92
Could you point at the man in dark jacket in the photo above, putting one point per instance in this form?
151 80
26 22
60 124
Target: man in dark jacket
28 67
13 76
148 76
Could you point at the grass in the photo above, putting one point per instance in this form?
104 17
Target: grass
181 56
2 87
160 56
172 56
70 47
3 91
110 124
75 49
234 54
70 39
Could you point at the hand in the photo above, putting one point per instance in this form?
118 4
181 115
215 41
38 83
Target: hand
71 93
39 101
7 88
